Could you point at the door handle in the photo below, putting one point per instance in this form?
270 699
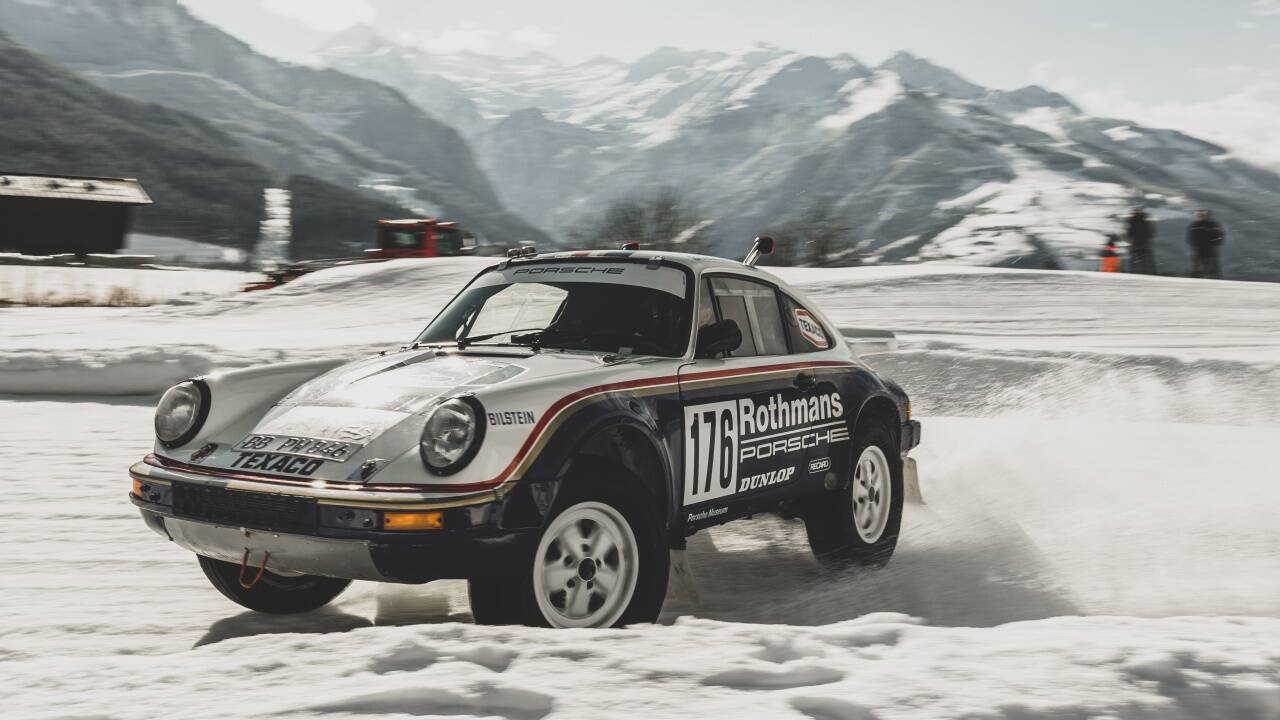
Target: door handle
805 381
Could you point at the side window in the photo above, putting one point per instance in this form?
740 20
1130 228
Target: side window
706 307
807 334
706 314
754 306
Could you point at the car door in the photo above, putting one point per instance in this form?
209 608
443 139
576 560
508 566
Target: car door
828 438
746 411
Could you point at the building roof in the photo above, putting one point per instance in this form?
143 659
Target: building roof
73 187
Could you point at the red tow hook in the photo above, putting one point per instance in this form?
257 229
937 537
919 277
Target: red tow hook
244 563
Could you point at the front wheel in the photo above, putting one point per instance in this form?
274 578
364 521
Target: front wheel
860 525
600 562
278 594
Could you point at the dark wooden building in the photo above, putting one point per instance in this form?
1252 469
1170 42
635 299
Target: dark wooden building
53 214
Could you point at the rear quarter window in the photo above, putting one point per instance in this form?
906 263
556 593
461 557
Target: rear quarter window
754 307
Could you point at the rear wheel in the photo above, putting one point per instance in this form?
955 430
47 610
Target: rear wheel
599 562
860 525
280 594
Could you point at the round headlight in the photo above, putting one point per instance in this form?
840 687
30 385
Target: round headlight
181 412
452 435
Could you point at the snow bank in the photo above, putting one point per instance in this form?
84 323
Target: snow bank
336 313
131 372
172 249
878 666
52 284
346 311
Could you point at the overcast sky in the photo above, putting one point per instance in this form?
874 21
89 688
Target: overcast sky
1211 67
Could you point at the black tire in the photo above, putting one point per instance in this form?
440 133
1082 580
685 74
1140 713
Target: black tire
831 524
277 594
512 599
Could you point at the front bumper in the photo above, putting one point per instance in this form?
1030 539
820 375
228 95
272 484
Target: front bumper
381 559
311 537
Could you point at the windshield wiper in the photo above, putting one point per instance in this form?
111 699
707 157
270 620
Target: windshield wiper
463 342
535 338
541 338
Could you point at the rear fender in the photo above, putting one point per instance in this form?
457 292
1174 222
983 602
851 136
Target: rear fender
887 409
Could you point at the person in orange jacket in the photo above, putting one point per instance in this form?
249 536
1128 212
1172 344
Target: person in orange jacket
1109 259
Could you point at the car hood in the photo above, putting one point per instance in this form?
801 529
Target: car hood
410 382
378 404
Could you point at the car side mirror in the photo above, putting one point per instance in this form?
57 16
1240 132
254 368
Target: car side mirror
720 337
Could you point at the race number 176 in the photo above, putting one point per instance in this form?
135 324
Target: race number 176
710 451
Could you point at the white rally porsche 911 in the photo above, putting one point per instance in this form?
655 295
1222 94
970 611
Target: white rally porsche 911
561 425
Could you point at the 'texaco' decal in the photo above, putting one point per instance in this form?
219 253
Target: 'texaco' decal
275 462
811 330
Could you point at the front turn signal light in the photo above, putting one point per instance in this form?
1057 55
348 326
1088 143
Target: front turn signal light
413 520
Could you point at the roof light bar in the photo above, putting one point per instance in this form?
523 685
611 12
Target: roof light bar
521 252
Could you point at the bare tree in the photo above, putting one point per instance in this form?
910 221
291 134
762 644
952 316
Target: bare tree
624 222
785 248
662 221
826 234
667 218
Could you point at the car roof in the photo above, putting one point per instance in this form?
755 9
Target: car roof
694 262
697 264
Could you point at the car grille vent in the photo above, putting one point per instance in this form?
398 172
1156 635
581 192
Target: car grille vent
264 511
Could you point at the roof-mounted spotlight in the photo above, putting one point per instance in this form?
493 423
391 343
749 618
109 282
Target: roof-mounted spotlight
633 245
522 252
763 245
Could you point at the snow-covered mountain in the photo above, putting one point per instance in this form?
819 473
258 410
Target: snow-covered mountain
923 163
294 119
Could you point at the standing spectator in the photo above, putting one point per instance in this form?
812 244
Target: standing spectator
1205 235
1141 233
1109 259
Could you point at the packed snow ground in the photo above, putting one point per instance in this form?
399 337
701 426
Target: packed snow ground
1094 446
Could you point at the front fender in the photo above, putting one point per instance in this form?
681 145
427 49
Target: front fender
588 432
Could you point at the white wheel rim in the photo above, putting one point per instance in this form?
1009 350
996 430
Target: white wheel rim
585 570
872 494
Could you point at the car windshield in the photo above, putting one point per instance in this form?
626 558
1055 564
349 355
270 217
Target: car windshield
617 308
